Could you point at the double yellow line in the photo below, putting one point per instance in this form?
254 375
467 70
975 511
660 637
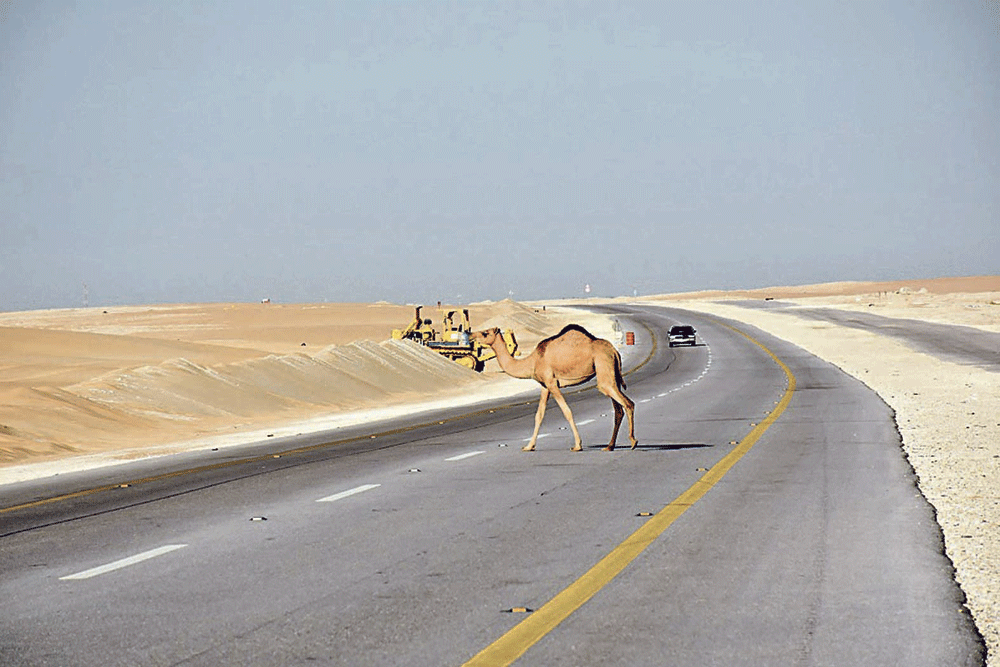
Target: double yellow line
524 635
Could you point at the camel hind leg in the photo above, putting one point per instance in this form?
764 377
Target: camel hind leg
619 413
610 383
623 407
629 408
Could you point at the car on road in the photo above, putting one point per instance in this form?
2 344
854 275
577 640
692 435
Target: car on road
682 334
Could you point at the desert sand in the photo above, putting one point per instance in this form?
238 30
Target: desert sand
90 387
81 388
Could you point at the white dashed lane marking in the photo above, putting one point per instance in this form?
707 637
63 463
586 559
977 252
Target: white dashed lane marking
464 456
349 492
124 562
708 365
160 551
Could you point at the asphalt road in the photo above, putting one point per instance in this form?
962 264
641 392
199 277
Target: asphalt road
768 517
951 342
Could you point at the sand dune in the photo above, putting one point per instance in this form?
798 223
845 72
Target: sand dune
129 381
951 286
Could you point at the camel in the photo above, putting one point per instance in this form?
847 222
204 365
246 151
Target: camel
571 357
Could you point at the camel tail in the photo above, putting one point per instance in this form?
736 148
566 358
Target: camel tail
618 371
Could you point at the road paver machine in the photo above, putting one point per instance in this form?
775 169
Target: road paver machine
452 340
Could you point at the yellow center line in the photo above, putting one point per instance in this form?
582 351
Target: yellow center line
525 634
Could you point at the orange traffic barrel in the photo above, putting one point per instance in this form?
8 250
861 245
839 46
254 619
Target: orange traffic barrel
630 338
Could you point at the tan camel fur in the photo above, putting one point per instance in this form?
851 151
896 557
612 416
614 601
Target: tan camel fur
571 357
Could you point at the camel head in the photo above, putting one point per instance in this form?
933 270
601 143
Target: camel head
487 336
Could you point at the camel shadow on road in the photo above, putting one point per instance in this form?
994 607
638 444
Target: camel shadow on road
654 447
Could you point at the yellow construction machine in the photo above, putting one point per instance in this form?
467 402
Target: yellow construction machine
453 339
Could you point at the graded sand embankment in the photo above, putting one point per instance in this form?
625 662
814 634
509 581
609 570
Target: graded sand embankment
86 387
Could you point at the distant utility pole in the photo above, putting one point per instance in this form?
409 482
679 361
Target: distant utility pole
86 296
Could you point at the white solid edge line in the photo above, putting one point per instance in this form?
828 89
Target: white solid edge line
466 455
349 492
124 562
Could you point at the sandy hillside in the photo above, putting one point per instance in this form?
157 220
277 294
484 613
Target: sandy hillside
948 413
118 383
965 301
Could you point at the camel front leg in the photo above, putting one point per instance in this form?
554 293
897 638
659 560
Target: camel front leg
564 406
539 414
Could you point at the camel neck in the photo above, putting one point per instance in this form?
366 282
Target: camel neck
519 368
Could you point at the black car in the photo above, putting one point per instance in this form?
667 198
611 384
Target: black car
682 334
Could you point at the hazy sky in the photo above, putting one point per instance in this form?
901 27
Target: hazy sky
416 151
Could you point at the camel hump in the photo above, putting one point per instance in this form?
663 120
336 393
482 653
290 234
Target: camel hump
574 327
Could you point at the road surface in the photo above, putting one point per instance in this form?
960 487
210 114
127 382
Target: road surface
767 517
951 342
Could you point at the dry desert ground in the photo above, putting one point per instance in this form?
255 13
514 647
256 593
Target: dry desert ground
96 386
